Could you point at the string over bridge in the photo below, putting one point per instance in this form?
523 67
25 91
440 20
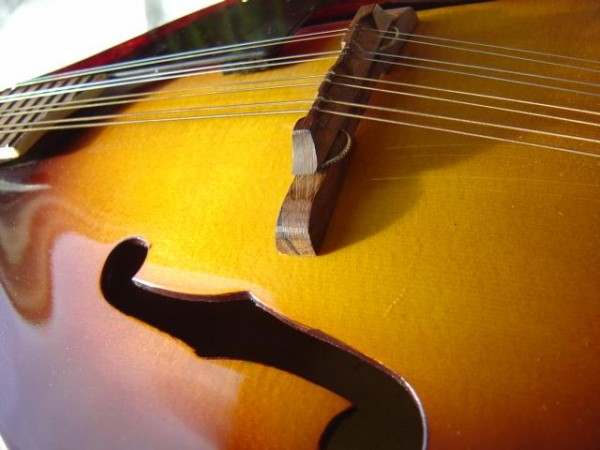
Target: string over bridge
369 35
323 139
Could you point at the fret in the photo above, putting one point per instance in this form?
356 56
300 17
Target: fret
15 144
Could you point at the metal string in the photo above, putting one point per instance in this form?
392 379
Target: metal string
181 56
89 122
135 97
106 101
483 68
280 86
322 35
216 68
488 77
165 119
94 121
86 122
474 94
167 95
482 52
319 35
459 132
456 119
176 94
500 47
185 93
327 111
459 102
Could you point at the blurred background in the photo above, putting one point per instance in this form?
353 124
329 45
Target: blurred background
41 36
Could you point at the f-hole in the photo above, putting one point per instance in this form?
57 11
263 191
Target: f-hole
386 413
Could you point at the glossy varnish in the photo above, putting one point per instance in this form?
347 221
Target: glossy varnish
468 267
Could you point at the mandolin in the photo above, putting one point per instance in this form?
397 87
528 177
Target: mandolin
155 289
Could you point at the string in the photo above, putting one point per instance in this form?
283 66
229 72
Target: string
279 86
239 66
39 123
353 86
474 94
499 47
320 35
483 68
481 52
138 97
456 119
326 111
99 119
459 102
122 98
487 77
270 62
459 132
164 119
180 56
278 61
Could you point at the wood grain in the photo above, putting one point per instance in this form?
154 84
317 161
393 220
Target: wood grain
468 267
315 134
322 141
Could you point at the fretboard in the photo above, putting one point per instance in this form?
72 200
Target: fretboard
26 112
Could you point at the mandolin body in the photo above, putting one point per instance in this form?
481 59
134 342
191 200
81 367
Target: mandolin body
469 267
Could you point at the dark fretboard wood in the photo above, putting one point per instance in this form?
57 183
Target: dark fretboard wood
35 106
